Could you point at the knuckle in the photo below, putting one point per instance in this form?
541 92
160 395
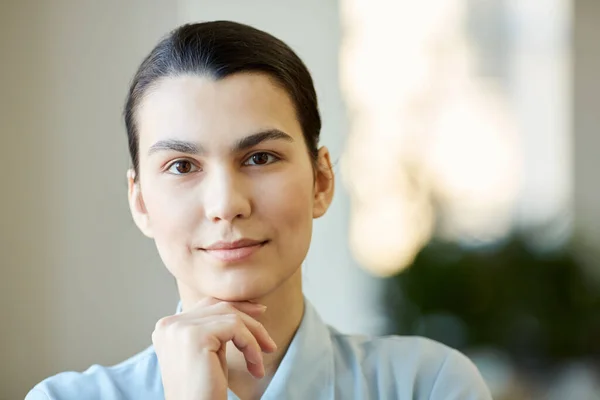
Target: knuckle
203 341
155 337
164 323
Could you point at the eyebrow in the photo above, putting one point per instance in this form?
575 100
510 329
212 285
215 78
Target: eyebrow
180 146
183 146
260 137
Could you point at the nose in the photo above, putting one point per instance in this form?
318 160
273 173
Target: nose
225 196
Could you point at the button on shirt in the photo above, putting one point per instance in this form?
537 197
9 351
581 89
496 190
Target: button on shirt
320 364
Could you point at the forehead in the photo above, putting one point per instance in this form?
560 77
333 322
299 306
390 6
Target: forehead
191 105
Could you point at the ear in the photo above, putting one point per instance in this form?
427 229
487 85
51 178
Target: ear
324 183
136 204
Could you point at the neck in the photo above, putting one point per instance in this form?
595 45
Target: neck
285 308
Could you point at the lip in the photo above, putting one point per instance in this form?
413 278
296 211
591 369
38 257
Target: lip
234 251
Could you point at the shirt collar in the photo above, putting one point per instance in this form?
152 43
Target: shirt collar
306 370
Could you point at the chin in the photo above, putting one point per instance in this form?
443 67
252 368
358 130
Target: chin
237 294
241 287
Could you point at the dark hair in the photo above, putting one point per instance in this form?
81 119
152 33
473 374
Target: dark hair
219 49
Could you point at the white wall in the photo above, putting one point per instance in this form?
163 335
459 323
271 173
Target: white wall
78 283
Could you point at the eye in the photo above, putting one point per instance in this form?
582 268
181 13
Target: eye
181 167
261 158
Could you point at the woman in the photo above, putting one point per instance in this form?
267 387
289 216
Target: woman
227 177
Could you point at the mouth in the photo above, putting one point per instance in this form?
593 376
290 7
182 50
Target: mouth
237 251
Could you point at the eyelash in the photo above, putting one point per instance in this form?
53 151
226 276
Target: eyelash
195 168
275 158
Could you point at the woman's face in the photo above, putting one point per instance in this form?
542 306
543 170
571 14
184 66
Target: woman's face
226 186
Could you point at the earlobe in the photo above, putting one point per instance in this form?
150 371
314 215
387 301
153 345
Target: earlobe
324 184
136 204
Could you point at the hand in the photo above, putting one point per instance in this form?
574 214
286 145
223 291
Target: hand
191 347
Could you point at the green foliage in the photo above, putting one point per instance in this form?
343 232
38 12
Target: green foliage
537 308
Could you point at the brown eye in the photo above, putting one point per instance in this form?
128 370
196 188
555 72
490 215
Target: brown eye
181 167
261 159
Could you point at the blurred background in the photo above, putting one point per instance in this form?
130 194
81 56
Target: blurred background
469 209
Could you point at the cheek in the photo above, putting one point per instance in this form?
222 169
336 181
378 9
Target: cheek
165 211
172 222
287 204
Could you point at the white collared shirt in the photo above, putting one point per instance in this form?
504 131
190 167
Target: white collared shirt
320 364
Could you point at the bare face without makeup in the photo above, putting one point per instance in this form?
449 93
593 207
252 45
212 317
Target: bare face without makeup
226 186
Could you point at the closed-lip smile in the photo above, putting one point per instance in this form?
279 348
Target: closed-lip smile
236 251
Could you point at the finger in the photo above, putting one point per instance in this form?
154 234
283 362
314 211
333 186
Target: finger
198 316
253 309
248 345
224 307
231 328
222 354
250 308
257 329
256 370
265 341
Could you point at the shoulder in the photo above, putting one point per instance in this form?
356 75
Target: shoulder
415 366
137 376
